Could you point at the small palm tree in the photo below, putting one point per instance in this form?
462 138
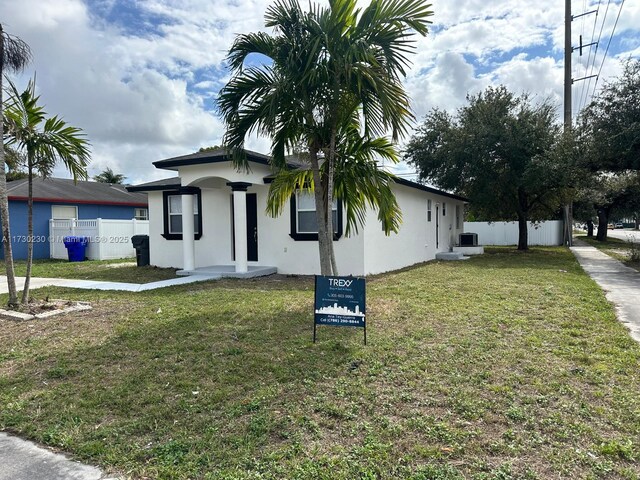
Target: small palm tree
14 56
330 66
108 176
44 142
358 182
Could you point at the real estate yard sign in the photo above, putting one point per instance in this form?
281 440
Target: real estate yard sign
340 301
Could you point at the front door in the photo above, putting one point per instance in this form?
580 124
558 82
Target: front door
252 228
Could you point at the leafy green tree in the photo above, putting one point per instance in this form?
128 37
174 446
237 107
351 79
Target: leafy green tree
610 128
108 176
613 195
14 56
501 152
610 124
330 68
44 142
209 149
14 162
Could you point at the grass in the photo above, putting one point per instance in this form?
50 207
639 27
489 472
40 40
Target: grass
619 249
107 270
507 366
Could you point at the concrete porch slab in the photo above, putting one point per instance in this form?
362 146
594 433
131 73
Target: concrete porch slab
448 256
477 250
229 271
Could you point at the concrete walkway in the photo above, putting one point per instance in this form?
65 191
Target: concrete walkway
22 460
100 285
620 283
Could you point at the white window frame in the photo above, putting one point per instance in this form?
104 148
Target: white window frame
55 217
298 210
458 217
141 214
428 210
170 213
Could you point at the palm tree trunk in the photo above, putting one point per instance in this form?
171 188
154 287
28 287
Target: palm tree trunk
330 173
6 237
4 201
27 279
321 211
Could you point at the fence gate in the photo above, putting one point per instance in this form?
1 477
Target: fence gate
108 239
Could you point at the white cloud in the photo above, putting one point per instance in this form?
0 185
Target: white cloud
145 92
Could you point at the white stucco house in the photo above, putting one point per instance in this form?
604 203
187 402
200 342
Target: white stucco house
230 229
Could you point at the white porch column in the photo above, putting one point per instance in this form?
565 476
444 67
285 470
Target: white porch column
188 232
240 224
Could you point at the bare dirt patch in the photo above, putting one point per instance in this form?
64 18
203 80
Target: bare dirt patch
44 308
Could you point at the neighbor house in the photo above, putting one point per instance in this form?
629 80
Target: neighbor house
229 226
60 198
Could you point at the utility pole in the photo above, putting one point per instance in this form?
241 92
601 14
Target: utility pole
567 236
568 50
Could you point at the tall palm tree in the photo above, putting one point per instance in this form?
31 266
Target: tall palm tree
14 56
44 142
109 176
329 66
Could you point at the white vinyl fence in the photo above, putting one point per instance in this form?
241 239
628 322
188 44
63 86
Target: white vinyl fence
506 233
108 239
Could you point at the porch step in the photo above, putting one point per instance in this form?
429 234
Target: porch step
229 271
450 256
478 250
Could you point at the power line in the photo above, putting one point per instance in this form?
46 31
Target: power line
607 50
584 9
584 92
604 19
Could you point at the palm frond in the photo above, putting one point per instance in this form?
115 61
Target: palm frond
44 141
15 54
246 44
284 186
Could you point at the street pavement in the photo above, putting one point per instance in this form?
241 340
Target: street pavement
625 234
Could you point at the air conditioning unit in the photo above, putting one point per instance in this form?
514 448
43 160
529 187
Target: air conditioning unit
468 240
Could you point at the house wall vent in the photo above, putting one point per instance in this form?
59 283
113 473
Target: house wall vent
468 240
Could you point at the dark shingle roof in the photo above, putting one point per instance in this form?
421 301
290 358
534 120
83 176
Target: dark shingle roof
164 184
65 190
210 156
220 155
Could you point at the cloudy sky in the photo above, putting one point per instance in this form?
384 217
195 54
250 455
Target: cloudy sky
140 76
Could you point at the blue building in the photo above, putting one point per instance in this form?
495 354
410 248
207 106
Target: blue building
61 198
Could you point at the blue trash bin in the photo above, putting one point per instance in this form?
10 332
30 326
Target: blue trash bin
76 247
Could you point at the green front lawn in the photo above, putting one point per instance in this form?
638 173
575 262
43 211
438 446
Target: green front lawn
507 366
107 270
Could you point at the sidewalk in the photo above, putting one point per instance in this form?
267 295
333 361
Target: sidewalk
22 460
38 282
620 283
